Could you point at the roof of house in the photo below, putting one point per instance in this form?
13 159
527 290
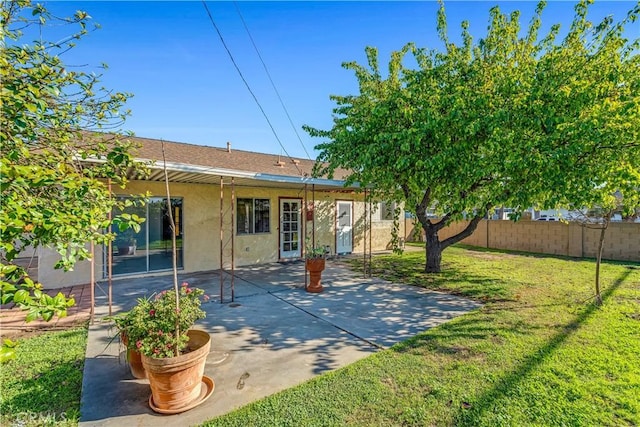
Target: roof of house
222 158
204 164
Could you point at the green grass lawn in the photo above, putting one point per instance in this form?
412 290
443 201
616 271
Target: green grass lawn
537 353
42 386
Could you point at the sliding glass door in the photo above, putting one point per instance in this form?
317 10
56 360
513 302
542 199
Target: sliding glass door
150 248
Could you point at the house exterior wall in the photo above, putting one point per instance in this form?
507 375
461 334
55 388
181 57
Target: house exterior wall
52 278
622 240
201 229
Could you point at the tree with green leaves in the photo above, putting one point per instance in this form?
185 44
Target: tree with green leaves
515 119
60 148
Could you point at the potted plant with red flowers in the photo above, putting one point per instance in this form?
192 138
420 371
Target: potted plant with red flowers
174 354
173 362
159 316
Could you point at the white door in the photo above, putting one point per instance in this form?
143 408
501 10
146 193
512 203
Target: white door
344 228
290 235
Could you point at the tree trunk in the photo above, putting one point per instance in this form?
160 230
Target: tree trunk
434 246
605 225
433 250
174 251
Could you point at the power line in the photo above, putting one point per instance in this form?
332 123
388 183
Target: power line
270 79
247 85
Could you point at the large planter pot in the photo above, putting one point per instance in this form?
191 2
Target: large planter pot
178 383
314 267
135 364
134 359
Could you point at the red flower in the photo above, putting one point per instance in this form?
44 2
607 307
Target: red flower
139 344
152 312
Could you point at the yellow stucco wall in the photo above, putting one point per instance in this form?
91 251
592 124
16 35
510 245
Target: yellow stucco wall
201 229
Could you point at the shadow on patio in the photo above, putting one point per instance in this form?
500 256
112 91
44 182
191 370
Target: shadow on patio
273 337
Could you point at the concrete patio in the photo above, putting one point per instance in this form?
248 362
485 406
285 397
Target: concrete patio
274 336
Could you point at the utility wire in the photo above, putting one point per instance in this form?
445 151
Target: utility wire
235 3
204 3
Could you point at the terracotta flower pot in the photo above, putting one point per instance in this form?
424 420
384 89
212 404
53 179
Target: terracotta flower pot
135 364
315 267
176 382
134 359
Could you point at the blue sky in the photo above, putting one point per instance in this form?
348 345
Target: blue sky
186 89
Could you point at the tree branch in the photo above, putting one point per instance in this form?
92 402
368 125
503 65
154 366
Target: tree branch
469 229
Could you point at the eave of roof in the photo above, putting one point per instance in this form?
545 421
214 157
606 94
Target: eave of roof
201 164
224 158
187 173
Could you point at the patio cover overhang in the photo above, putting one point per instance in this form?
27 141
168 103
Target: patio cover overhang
194 174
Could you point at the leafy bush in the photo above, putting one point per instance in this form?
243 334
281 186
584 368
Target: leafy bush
150 326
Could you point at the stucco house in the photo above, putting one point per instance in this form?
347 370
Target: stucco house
232 208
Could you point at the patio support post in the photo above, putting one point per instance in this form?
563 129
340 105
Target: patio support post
370 233
93 282
304 228
110 255
221 239
364 240
233 260
313 219
230 242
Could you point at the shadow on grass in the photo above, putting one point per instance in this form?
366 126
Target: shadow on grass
486 401
451 280
507 252
448 339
